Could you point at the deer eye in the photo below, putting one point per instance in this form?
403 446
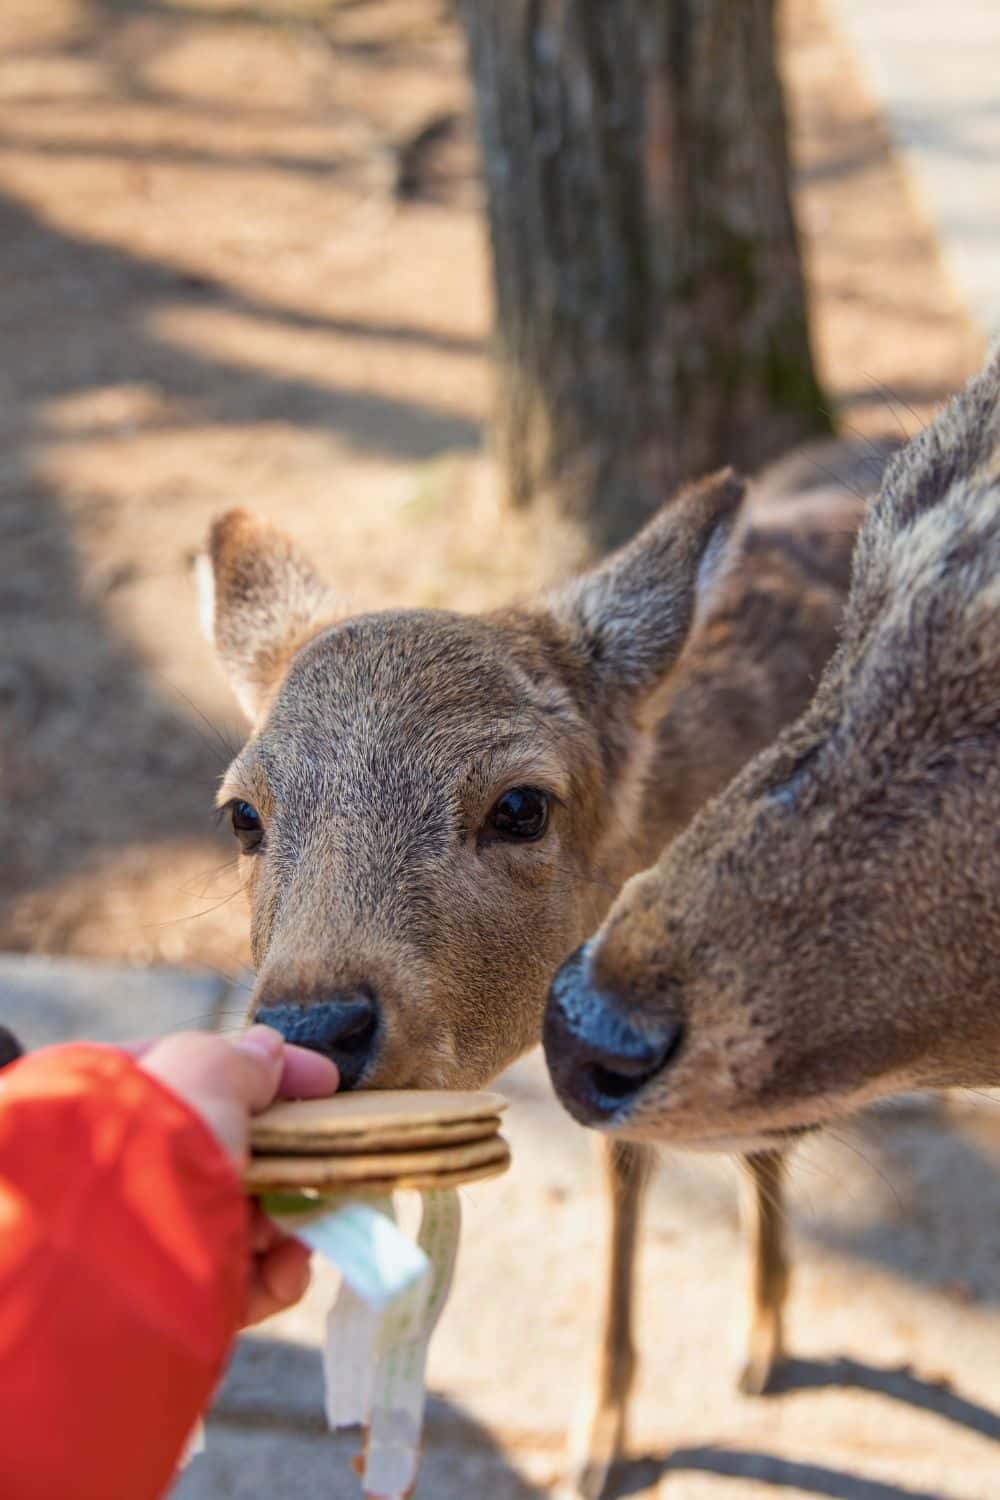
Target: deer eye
522 813
246 825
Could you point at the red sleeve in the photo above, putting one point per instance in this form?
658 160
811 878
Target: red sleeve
123 1255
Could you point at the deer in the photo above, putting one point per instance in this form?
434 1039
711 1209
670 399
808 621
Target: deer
826 932
434 808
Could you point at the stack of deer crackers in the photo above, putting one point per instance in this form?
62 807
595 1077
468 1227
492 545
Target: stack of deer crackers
373 1143
326 1169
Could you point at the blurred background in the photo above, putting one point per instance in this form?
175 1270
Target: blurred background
246 259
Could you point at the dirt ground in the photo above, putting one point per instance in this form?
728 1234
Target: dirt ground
230 277
214 293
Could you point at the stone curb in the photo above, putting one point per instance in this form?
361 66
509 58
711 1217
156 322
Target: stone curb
45 1000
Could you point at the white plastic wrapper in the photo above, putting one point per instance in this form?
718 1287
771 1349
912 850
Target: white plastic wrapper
379 1328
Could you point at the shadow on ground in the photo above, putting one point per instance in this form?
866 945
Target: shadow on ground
762 1468
899 1384
267 1436
273 1395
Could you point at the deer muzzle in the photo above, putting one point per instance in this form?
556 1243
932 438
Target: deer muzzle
600 1059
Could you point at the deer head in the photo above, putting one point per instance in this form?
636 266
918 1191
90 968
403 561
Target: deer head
827 930
433 808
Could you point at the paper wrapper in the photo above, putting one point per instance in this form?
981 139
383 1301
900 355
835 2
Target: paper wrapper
379 1328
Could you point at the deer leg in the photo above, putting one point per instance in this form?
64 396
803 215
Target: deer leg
764 1217
599 1432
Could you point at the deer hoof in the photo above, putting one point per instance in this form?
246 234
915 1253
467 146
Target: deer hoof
758 1372
593 1450
585 1482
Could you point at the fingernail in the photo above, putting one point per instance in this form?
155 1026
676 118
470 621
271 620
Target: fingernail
262 1041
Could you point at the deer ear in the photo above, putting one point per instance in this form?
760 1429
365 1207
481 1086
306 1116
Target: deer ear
632 614
260 601
959 450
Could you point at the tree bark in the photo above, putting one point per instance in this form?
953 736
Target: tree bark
650 319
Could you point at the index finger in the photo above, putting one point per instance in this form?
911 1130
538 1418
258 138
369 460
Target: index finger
306 1074
139 1046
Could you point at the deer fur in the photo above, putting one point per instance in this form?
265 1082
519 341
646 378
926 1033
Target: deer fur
381 742
827 931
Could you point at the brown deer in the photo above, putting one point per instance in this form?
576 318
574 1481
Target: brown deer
827 931
435 808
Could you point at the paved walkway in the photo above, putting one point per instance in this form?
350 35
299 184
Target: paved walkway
45 1000
935 69
895 1314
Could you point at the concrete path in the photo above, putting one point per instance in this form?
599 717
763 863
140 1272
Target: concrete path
934 68
894 1393
45 1000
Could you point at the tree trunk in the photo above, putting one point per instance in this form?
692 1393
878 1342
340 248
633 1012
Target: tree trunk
650 310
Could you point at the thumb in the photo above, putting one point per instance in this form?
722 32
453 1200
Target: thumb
224 1081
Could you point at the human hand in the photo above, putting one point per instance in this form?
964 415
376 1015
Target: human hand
226 1080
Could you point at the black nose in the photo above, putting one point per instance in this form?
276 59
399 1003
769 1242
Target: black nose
599 1061
344 1027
